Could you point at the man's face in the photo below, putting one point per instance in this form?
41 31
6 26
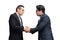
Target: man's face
21 11
39 13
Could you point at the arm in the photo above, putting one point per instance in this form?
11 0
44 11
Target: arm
42 24
12 23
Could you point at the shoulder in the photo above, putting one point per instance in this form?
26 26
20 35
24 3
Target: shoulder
12 15
46 16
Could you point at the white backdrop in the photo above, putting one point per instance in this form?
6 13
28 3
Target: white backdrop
8 7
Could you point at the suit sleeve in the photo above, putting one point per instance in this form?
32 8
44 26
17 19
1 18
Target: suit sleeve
13 25
39 27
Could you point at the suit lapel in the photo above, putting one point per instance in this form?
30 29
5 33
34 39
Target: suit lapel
16 17
40 20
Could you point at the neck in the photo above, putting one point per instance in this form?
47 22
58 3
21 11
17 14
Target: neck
41 14
18 13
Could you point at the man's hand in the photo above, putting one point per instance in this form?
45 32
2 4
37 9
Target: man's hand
26 29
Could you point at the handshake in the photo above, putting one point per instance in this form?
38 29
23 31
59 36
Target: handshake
26 29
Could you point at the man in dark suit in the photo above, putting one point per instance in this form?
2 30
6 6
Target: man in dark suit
16 24
43 27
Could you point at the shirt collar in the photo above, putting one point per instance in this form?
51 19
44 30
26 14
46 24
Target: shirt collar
17 14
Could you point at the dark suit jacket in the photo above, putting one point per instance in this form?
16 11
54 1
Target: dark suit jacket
15 28
44 28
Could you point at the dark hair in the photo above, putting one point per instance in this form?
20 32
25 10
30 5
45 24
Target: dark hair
40 7
19 6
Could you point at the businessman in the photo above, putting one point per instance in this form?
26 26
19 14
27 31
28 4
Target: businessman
16 24
43 27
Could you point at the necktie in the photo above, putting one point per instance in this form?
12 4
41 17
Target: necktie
21 23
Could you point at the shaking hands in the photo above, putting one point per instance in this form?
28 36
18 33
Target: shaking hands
26 29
